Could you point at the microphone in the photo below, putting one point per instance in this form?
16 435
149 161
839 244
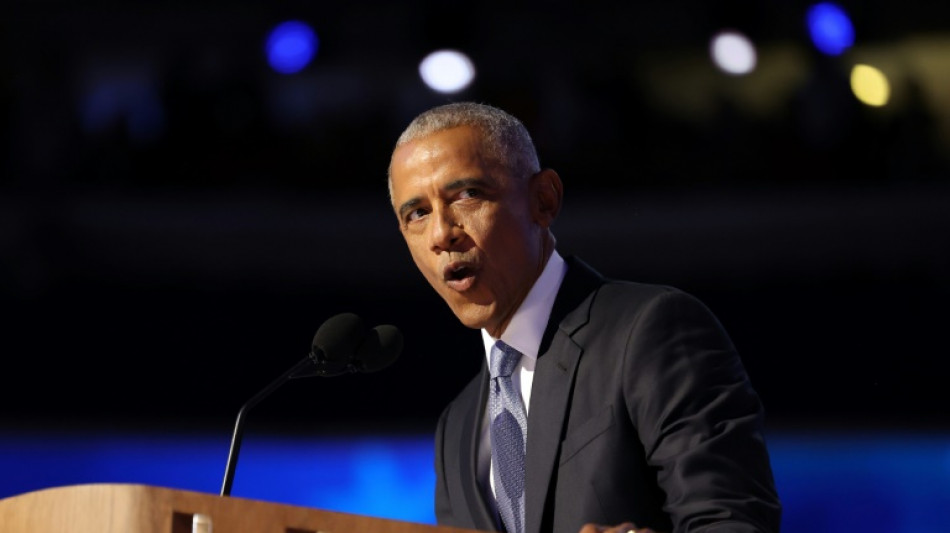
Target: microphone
350 347
343 344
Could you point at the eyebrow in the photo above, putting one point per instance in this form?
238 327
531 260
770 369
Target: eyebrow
408 205
454 185
464 183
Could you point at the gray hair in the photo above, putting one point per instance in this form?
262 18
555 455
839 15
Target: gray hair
505 139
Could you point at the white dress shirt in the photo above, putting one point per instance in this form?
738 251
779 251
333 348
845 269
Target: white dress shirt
524 334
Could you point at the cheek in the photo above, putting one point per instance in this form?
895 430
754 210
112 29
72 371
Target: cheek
419 260
512 240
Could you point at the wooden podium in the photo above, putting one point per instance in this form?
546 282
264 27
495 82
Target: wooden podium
130 508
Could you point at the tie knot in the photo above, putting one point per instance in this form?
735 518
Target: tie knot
504 359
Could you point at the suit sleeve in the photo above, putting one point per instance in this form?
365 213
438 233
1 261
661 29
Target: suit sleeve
699 419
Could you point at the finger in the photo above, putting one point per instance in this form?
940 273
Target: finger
625 527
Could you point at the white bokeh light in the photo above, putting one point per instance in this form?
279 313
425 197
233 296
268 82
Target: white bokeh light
733 53
447 71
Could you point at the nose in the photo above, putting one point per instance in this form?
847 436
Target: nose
444 231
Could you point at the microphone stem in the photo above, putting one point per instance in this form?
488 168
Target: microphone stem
242 414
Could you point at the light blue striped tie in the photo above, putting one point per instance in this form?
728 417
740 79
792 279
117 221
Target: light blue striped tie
509 424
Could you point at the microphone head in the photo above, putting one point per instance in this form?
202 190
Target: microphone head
338 338
343 344
380 348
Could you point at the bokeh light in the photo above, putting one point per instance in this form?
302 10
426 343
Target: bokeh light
291 46
870 85
830 28
447 71
733 52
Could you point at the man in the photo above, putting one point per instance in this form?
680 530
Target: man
637 412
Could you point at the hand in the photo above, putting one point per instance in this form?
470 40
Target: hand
625 527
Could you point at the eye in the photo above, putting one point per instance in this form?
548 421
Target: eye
416 214
470 193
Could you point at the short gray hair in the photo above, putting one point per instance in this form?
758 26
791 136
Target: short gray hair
505 139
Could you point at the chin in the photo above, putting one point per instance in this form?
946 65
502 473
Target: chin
472 315
471 322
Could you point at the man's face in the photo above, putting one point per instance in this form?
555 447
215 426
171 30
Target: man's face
470 226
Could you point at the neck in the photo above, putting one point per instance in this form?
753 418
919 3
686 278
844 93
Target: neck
547 248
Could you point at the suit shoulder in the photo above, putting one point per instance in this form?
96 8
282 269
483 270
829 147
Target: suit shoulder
595 302
640 288
636 295
627 305
601 285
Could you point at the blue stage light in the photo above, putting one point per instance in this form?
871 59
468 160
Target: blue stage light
828 482
830 28
291 46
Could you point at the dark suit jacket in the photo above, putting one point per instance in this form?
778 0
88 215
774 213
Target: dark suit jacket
640 410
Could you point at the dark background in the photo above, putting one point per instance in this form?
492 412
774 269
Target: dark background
176 219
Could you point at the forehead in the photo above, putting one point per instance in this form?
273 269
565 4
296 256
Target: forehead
444 154
455 145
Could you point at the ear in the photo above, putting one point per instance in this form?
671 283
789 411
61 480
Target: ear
547 193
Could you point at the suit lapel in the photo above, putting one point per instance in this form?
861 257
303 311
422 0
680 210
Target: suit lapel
552 386
553 381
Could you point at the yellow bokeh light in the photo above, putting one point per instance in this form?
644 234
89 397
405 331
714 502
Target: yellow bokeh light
870 85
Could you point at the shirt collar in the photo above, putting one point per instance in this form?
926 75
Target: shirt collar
527 326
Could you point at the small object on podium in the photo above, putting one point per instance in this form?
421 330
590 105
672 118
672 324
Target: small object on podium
201 523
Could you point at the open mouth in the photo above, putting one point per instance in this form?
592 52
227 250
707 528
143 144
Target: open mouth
459 276
458 273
